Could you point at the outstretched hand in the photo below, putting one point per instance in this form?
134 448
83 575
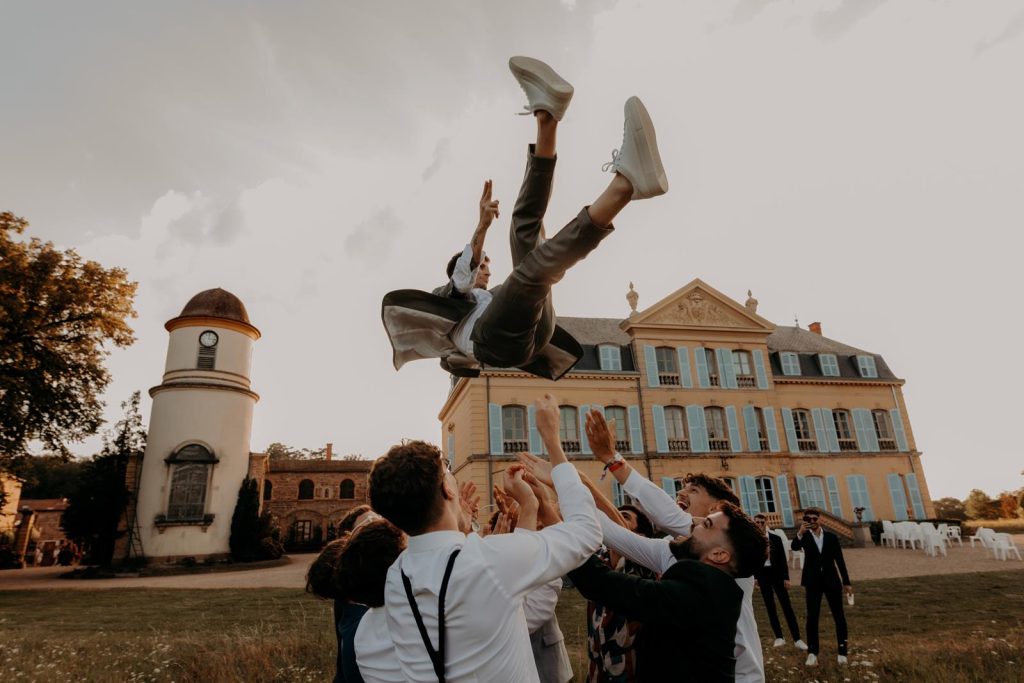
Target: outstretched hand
538 467
488 207
600 435
518 489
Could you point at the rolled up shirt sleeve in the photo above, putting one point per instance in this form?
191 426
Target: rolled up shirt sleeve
653 553
464 275
661 509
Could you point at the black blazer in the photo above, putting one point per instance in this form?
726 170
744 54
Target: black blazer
689 618
820 567
779 569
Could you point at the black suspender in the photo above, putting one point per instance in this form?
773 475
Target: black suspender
436 656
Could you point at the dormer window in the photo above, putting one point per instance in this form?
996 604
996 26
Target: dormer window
207 358
610 357
790 363
866 366
829 364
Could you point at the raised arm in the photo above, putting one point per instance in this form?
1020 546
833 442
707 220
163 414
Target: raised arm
488 212
653 553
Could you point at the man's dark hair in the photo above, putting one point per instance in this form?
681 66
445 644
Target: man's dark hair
362 568
749 546
716 487
643 523
319 578
349 520
812 511
454 259
405 486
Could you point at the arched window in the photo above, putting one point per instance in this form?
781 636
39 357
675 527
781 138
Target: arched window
348 489
268 490
804 436
188 491
765 494
675 429
513 429
842 421
618 414
306 489
883 428
718 435
569 428
742 367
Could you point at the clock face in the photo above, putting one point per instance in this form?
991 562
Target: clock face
208 338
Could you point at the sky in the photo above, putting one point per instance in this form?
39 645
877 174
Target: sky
854 162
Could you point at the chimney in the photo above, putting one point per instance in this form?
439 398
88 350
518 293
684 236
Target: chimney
815 328
329 451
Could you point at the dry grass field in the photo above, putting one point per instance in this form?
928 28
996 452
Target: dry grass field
964 627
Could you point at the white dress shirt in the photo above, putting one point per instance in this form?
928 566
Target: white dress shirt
487 636
464 277
375 652
655 554
819 539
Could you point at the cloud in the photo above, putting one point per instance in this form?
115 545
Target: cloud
371 240
442 151
1012 29
834 24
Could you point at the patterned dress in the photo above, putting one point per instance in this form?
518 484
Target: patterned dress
610 636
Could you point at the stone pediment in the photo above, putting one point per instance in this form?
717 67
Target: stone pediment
699 305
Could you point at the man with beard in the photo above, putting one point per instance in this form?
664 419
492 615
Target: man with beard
723 547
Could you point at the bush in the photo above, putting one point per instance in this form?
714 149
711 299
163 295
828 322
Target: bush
271 549
245 523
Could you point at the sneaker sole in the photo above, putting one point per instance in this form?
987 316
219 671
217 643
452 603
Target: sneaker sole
641 128
542 77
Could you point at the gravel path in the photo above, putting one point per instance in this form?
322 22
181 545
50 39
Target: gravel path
863 563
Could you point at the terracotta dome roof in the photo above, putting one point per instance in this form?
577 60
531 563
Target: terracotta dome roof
216 303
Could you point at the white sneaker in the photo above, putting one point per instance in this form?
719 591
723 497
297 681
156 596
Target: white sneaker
801 645
545 90
779 642
842 659
812 660
638 160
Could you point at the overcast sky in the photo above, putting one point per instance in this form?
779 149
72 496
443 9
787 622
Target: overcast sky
857 162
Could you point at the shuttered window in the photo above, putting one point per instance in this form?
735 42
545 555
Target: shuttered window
790 363
610 357
883 429
765 494
866 366
675 430
568 429
621 427
829 364
844 430
718 434
815 491
668 370
743 370
802 425
207 358
513 429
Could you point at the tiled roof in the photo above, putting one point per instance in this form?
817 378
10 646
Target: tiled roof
319 465
593 331
804 341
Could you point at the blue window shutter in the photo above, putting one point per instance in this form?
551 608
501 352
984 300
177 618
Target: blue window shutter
748 496
801 491
785 504
531 422
668 485
660 433
762 375
773 433
726 370
859 496
701 361
898 430
698 429
734 429
685 376
787 421
866 366
865 429
451 449
819 430
899 498
915 496
617 498
636 439
869 431
584 444
830 430
833 496
651 363
750 422
494 427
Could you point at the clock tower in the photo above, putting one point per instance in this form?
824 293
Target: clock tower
197 451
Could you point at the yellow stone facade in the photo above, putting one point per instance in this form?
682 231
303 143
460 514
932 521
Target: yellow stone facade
779 459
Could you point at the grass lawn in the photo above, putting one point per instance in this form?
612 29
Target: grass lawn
964 627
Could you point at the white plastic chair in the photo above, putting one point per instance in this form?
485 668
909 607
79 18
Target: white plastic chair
984 535
888 533
953 534
785 541
1003 545
934 544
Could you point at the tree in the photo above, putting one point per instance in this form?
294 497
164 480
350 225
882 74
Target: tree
95 507
1009 504
245 523
949 508
46 476
57 314
978 505
352 457
279 451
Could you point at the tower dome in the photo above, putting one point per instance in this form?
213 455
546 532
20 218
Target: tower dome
216 303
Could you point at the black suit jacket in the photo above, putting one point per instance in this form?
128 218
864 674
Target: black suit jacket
820 567
689 618
779 569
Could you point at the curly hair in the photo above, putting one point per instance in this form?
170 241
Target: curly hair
319 578
362 567
749 545
716 487
349 520
405 486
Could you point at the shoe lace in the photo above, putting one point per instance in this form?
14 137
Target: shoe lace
613 165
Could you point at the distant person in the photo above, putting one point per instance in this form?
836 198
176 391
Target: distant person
822 557
773 581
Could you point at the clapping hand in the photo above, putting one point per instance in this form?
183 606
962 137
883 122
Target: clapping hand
538 467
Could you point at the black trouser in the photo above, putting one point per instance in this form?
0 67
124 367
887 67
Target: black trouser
520 319
771 587
834 595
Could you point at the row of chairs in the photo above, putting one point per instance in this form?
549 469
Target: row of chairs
1000 544
929 537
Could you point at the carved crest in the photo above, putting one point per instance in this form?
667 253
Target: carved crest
697 308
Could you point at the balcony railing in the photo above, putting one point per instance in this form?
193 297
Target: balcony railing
678 445
622 446
745 382
887 444
668 378
764 443
847 444
515 446
571 446
807 445
713 380
718 444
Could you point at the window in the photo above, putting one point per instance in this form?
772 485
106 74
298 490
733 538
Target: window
569 428
675 428
306 489
866 365
302 531
815 492
731 483
206 359
829 364
762 430
804 436
718 435
268 490
621 427
765 494
610 357
790 363
668 366
883 428
188 491
347 489
742 367
842 421
513 429
712 361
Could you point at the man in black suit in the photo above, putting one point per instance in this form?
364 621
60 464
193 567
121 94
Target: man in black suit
689 616
773 579
822 556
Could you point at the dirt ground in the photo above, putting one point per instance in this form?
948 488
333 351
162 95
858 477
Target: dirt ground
863 564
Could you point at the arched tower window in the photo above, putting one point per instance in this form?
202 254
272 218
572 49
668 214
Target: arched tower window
348 489
306 489
190 476
268 490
